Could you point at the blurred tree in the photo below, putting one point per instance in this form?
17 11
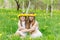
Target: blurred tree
1 3
6 3
40 4
21 4
17 3
49 4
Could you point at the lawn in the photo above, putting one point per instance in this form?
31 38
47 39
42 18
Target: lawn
49 26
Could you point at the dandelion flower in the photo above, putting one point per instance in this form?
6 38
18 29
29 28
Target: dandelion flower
30 38
0 35
58 23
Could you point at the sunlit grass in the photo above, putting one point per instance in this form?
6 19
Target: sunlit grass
50 27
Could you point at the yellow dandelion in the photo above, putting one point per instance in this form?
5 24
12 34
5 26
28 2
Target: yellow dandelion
2 13
31 14
26 15
30 38
44 13
46 26
0 35
45 17
58 23
48 16
40 14
22 15
14 18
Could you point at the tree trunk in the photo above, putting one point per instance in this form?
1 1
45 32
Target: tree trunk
28 6
23 9
47 8
51 8
17 3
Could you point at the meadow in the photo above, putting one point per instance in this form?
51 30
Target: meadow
49 26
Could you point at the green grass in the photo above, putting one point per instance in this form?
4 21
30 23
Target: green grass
50 27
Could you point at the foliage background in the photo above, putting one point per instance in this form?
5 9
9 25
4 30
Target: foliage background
49 26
